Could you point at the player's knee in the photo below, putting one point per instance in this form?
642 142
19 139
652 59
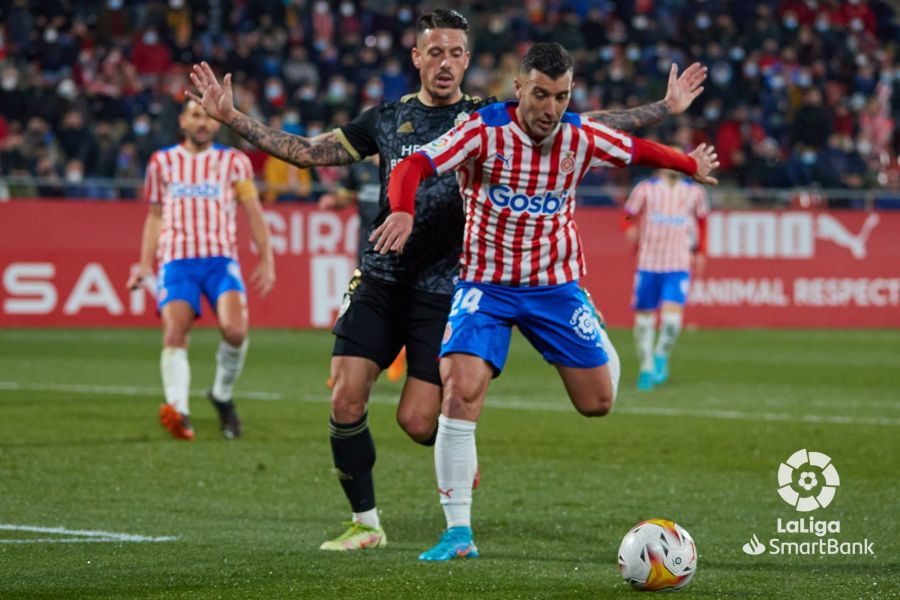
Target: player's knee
174 337
348 400
418 427
234 334
597 405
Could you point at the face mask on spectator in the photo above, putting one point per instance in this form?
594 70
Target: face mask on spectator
313 130
151 38
751 70
856 25
804 80
790 22
114 4
291 118
51 35
66 89
580 95
273 91
702 21
607 53
176 4
737 53
307 93
864 146
404 15
822 24
141 127
384 42
711 112
9 82
373 90
857 102
347 9
808 157
633 53
721 74
74 175
776 82
336 90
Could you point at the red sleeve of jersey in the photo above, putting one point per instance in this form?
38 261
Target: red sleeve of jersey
701 235
405 179
656 155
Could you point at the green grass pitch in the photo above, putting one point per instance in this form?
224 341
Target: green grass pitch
81 449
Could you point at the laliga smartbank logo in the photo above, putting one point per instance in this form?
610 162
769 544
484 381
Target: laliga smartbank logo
807 481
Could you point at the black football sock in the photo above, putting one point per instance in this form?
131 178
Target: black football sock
353 451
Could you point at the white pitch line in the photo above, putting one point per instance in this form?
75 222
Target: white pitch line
503 402
83 535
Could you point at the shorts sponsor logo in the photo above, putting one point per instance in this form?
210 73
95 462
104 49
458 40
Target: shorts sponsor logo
583 323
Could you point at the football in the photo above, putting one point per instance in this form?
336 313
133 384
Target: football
657 555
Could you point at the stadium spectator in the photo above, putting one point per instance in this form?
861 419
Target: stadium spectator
116 60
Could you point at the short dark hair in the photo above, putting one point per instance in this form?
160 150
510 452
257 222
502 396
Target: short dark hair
441 18
550 58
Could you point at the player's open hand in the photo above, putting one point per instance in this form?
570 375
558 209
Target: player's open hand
683 90
138 274
217 99
391 235
707 161
263 277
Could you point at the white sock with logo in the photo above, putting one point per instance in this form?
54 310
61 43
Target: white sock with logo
669 329
229 364
644 326
455 460
615 366
176 377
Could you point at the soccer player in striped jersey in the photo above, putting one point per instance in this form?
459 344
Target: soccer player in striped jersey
518 166
670 207
400 299
194 189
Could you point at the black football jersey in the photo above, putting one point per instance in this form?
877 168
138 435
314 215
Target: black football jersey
394 130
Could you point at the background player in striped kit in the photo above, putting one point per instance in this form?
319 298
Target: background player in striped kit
193 189
668 206
401 298
519 165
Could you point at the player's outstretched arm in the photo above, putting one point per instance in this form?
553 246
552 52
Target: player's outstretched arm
217 99
680 94
699 164
263 276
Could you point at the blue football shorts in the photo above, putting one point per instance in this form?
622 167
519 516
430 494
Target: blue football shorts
652 288
188 278
558 320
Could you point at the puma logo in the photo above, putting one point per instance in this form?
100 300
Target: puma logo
448 492
831 229
502 159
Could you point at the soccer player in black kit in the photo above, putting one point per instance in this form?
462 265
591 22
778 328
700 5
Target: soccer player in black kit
400 299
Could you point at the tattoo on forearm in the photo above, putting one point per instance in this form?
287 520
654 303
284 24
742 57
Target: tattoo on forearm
634 118
294 149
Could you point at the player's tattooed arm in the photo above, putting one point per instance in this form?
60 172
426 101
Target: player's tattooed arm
680 94
324 149
217 99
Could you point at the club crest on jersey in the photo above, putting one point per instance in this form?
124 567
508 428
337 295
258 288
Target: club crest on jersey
547 203
567 164
583 323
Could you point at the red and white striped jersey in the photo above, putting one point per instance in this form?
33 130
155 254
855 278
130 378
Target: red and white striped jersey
668 212
519 195
198 200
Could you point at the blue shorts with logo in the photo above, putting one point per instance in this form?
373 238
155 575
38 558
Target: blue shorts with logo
558 320
188 278
652 288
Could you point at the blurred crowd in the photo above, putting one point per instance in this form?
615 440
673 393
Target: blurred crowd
800 92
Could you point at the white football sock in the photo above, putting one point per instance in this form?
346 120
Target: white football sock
229 364
369 517
669 329
615 366
644 324
455 460
176 377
